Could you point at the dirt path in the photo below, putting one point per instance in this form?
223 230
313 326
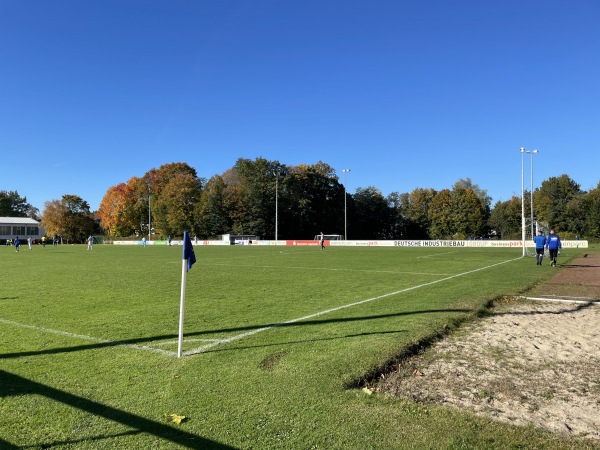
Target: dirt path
532 362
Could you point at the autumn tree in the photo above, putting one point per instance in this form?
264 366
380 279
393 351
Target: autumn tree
439 215
416 207
468 214
174 189
121 208
176 204
69 217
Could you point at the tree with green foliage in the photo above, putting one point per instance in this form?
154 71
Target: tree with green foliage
372 214
505 219
315 202
13 205
211 216
592 208
551 201
398 222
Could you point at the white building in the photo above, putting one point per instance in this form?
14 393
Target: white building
23 227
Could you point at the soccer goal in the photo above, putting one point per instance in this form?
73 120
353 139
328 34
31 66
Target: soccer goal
530 232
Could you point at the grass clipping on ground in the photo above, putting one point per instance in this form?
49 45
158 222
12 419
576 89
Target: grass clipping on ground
530 362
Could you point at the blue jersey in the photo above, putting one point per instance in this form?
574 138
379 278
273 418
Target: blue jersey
553 242
540 241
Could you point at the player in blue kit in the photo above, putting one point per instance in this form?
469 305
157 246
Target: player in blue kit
553 245
540 242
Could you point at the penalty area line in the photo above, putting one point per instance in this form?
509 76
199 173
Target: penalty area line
206 347
86 338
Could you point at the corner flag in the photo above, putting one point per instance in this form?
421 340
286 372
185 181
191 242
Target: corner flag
188 250
188 261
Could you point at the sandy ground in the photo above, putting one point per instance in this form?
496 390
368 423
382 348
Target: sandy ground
532 362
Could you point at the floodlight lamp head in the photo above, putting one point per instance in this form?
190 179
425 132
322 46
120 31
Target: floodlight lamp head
522 150
534 151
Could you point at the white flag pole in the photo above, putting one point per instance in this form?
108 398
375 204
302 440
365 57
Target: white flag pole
181 307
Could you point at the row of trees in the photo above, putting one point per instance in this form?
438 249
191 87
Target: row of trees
267 198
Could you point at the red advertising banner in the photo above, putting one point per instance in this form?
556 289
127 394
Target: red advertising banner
299 242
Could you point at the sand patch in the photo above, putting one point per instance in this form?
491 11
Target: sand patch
531 362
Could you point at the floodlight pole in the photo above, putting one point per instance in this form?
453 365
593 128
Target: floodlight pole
531 153
522 150
149 219
276 202
345 171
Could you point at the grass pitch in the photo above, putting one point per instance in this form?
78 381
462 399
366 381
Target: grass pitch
274 340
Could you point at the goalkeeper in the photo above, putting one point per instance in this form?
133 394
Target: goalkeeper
540 242
553 245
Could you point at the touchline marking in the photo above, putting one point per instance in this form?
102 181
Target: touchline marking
86 338
259 330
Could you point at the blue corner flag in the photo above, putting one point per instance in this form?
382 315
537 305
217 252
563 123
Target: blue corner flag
188 250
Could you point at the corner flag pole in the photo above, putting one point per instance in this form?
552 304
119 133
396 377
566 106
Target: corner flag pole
188 259
181 307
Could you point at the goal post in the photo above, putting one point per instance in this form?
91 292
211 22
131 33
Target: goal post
530 231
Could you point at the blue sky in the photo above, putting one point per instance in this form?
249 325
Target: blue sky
405 94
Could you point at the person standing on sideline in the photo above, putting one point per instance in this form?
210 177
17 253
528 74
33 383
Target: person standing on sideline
43 241
553 245
540 242
17 243
169 240
29 242
144 241
322 240
90 242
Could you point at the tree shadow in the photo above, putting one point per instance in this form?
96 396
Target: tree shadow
136 341
11 384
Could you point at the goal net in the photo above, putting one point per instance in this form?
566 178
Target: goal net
531 232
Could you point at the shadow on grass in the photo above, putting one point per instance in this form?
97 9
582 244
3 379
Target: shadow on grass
11 384
126 342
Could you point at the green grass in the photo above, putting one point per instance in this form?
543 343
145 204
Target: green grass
88 345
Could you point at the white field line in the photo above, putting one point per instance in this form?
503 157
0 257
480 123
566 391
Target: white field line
435 254
161 343
561 300
310 316
85 337
331 269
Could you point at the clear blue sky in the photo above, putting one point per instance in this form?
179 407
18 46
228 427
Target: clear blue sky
406 94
